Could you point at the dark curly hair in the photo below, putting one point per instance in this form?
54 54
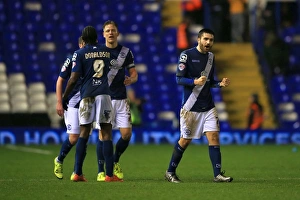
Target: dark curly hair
89 35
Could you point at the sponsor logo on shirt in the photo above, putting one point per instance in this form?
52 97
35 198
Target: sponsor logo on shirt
181 66
114 64
97 82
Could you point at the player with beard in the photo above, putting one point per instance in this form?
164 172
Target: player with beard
198 115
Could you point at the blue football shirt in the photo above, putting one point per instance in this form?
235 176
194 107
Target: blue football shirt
121 60
92 62
190 65
65 73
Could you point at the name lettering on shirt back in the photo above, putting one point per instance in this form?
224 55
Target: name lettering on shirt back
97 54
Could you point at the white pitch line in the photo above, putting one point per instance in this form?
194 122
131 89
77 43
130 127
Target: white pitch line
267 179
28 149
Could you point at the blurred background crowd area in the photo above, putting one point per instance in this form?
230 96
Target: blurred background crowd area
257 46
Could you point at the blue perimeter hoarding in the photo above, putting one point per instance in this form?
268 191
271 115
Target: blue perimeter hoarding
45 136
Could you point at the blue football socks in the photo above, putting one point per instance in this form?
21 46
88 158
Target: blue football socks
108 155
100 156
65 149
176 157
80 154
121 146
215 158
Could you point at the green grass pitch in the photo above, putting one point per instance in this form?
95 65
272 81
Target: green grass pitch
260 172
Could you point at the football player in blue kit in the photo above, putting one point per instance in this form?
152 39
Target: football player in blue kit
70 116
198 115
91 66
121 63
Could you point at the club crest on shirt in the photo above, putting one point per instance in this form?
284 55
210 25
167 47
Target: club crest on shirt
183 57
181 66
123 54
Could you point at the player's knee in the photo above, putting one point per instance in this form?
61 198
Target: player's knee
105 133
126 137
184 143
126 133
213 138
73 138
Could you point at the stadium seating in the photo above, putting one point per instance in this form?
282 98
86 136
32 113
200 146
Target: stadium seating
38 35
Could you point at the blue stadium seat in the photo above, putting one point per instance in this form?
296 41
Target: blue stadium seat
10 37
45 36
134 28
293 83
16 57
279 89
30 27
290 125
34 77
138 58
14 67
14 10
104 17
87 19
33 16
31 48
277 79
3 16
34 67
281 97
50 81
65 6
61 22
288 33
27 39
30 58
48 26
136 48
50 5
2 6
120 7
